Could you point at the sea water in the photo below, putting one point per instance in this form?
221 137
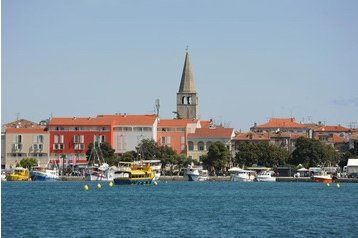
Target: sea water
179 209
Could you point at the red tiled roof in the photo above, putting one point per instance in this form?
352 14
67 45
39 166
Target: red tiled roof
131 119
331 138
281 123
205 124
290 135
80 121
21 123
252 136
338 128
175 122
104 120
26 130
212 133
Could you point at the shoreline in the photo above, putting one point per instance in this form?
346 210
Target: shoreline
221 179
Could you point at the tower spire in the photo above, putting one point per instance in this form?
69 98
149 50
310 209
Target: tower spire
187 83
187 97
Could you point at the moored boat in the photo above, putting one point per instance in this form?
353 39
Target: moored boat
99 173
195 173
44 174
133 174
323 178
265 176
241 175
19 174
155 165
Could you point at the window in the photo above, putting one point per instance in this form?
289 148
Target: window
76 139
165 140
191 145
17 139
38 139
98 138
201 146
147 129
208 144
137 129
58 146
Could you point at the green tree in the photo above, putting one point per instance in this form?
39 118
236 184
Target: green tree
311 152
27 163
262 153
148 149
247 155
168 157
128 156
217 158
182 161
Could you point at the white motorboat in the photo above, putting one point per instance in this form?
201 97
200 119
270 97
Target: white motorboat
241 175
196 173
265 176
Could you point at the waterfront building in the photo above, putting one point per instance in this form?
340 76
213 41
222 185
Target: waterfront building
285 140
20 143
72 136
281 125
200 141
187 96
353 141
173 133
130 130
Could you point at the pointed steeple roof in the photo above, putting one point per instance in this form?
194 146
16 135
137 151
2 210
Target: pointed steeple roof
187 80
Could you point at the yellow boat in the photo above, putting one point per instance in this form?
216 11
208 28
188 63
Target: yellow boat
133 174
19 174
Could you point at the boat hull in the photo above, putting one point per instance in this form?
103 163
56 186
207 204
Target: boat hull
236 178
133 181
266 179
192 177
92 177
39 176
322 179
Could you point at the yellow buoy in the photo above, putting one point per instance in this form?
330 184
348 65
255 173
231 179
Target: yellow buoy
328 184
110 184
99 185
338 185
85 187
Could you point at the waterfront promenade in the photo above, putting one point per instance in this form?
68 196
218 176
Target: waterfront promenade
223 179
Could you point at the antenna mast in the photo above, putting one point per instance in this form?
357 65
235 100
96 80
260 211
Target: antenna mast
157 106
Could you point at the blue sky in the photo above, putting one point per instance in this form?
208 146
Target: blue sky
252 60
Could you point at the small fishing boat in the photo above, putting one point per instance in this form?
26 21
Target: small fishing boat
196 173
98 169
323 177
265 176
19 174
133 174
241 175
99 173
44 174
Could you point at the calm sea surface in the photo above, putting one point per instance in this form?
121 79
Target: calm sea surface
179 209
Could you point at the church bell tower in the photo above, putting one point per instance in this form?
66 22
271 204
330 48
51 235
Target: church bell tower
187 97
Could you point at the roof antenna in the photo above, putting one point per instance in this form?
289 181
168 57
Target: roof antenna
187 49
157 106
